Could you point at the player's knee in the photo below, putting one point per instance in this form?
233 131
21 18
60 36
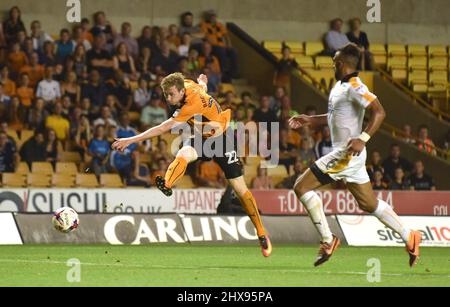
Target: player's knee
368 206
300 189
188 153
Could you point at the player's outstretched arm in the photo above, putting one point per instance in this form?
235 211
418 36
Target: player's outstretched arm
307 120
377 115
122 144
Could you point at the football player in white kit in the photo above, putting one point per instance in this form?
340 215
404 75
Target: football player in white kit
348 101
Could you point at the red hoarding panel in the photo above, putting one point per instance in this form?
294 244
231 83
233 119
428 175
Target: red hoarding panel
285 202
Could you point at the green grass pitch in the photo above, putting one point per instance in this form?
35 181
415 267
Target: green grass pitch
220 265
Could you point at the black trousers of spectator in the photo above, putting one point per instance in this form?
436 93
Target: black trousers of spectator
228 62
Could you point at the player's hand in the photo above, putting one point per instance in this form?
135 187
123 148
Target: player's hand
202 79
121 144
300 121
355 147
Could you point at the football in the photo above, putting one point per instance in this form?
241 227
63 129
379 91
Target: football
65 219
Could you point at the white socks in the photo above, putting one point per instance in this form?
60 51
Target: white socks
313 205
389 218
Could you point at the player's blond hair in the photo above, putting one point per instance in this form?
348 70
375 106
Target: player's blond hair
175 79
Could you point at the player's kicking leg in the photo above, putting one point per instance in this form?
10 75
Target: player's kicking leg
364 195
176 170
304 189
249 204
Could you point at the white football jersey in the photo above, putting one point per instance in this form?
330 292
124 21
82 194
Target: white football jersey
346 108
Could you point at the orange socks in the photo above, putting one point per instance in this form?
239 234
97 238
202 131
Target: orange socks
175 171
249 204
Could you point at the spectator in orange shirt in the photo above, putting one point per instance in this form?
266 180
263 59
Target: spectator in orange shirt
209 174
25 92
16 114
86 34
16 60
216 34
34 70
424 142
9 86
207 57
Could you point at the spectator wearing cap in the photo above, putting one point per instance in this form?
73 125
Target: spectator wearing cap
153 115
334 38
217 35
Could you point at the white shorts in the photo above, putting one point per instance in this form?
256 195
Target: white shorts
340 166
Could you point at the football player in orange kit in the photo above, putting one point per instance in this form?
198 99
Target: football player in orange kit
198 109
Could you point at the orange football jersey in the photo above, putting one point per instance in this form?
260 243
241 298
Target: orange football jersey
202 111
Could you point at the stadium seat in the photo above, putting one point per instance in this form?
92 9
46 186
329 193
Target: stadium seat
68 168
437 63
324 62
185 183
111 181
313 48
272 46
395 50
417 50
379 54
417 63
253 160
63 181
399 74
438 78
38 180
396 63
250 172
13 180
305 61
22 168
13 134
44 168
417 77
70 156
296 47
437 51
86 181
25 135
277 174
227 87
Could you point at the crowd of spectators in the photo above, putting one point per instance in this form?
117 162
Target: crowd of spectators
92 84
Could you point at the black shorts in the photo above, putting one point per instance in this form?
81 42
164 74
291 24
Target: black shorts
222 149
